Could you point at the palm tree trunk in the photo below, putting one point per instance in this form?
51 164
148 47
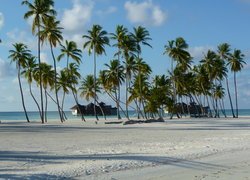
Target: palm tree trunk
32 95
40 72
127 91
77 104
114 99
21 91
63 113
46 105
236 95
222 108
117 103
63 98
230 99
95 85
119 89
55 81
103 114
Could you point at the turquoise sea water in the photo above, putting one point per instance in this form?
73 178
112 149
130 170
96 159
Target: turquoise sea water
54 115
51 115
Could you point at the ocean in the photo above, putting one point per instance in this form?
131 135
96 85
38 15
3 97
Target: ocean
53 115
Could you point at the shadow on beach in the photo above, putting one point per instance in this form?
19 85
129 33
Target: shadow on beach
41 158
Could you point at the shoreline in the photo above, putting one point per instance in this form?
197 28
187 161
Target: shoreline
77 149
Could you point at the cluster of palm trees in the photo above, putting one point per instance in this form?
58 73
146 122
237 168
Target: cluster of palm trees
204 80
148 96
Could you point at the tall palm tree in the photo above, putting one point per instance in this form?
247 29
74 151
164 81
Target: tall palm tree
39 10
28 73
114 76
128 47
140 36
224 53
20 55
96 41
52 33
236 63
118 36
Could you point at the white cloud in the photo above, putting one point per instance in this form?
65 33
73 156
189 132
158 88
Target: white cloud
145 13
1 20
198 52
6 69
44 57
16 36
78 16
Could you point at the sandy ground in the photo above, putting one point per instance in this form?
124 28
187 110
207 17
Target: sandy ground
177 149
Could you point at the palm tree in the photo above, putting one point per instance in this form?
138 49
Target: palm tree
224 54
72 81
40 10
96 40
236 63
47 82
69 50
177 51
143 69
52 33
218 93
87 88
118 36
114 76
63 84
140 36
128 47
28 73
88 92
20 54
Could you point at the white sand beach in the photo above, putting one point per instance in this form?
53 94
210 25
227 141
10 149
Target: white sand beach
177 149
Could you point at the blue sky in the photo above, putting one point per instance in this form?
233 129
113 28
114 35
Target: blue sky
203 24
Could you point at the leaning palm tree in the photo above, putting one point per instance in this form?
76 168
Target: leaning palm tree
224 53
51 32
39 10
96 40
236 64
28 73
20 55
